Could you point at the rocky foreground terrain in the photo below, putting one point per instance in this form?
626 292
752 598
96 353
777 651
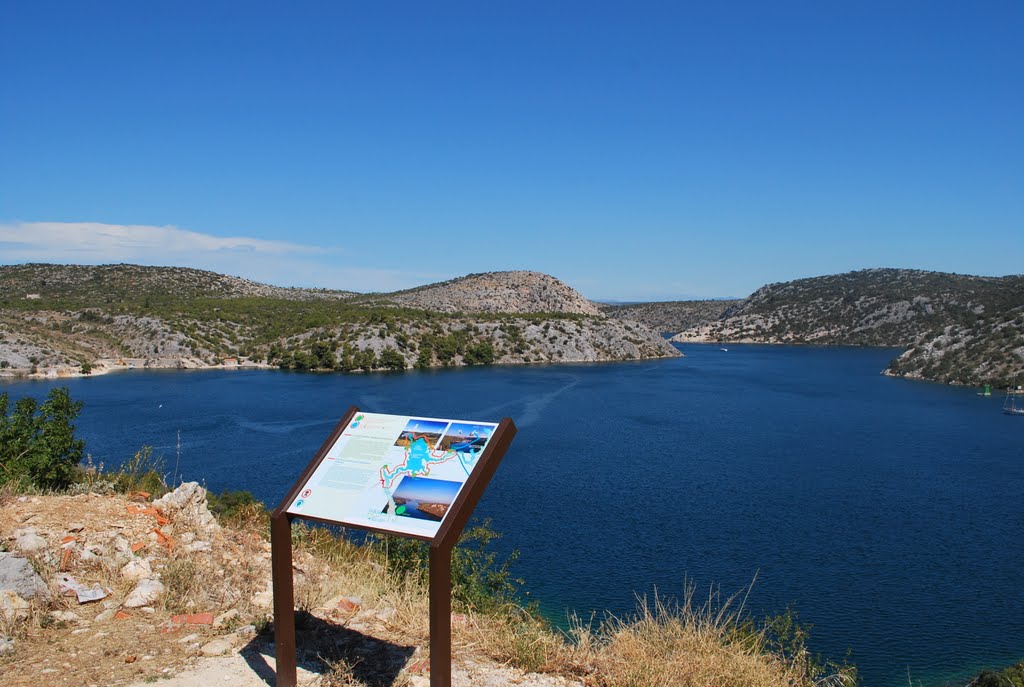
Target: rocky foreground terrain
99 589
62 320
955 328
113 590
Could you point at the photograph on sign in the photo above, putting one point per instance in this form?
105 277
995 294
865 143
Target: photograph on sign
392 472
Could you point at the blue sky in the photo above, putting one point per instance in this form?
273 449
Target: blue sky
634 150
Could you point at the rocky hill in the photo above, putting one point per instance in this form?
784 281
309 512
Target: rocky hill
59 320
957 328
498 292
97 284
669 316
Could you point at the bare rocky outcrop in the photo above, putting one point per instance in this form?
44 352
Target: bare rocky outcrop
498 292
187 509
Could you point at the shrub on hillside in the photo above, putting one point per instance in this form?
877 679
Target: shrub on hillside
38 447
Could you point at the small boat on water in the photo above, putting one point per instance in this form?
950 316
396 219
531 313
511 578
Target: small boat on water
1010 406
724 349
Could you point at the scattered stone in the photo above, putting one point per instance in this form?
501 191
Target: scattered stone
246 630
217 647
349 604
6 646
137 569
263 599
386 614
186 506
76 527
188 638
137 546
121 615
106 615
421 666
17 575
199 546
13 608
146 592
28 540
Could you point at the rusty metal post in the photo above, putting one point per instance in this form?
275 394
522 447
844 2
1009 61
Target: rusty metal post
440 616
284 599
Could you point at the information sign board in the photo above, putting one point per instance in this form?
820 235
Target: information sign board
418 477
393 473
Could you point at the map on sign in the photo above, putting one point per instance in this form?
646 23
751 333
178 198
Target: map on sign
393 472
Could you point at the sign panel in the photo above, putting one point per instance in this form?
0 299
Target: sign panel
394 473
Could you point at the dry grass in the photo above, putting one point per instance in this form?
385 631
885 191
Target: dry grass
663 645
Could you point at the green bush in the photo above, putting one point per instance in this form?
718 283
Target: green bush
391 359
228 503
1009 677
480 581
141 472
38 447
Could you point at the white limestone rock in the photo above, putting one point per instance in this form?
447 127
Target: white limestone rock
17 575
146 592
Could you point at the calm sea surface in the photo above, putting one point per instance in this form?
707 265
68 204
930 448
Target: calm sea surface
888 513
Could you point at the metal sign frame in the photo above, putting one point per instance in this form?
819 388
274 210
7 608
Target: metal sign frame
440 564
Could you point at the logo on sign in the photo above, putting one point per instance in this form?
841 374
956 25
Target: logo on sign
298 504
306 493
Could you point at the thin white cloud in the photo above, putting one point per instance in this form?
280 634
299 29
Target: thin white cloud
274 262
95 241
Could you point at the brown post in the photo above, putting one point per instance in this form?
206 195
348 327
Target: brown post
440 616
284 599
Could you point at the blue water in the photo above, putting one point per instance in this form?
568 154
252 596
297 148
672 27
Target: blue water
888 513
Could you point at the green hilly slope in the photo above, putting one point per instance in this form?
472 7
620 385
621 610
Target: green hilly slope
58 318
